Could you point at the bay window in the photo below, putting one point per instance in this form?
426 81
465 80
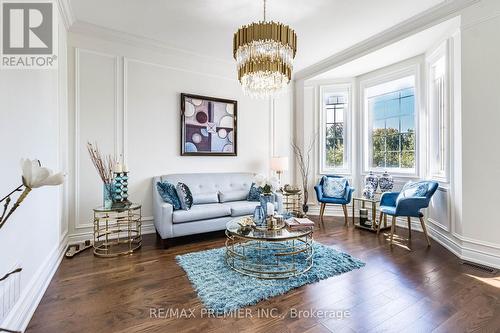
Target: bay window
334 119
390 124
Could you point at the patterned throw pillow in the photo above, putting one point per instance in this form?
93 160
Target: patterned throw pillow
185 196
168 193
254 193
412 189
334 187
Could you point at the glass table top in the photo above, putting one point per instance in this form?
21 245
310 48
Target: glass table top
103 209
234 228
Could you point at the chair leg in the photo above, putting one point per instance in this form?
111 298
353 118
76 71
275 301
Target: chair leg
409 227
379 222
345 214
422 222
321 211
393 227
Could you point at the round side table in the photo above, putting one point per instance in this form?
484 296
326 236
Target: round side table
117 230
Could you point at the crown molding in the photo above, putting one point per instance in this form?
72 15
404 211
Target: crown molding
415 24
66 12
97 31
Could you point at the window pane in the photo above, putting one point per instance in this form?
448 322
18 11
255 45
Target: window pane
330 115
392 114
407 159
392 142
333 123
392 159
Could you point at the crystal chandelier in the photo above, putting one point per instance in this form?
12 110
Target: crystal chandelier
264 53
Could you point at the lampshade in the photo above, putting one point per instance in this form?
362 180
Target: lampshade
279 163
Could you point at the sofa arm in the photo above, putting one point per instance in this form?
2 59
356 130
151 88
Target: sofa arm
163 220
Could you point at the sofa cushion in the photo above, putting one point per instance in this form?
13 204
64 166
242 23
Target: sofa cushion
185 196
205 198
239 208
201 212
168 193
227 196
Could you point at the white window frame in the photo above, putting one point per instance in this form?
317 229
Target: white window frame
435 172
341 88
366 150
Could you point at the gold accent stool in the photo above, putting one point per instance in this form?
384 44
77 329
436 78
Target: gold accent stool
117 230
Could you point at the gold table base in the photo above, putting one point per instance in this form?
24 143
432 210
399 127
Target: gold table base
283 258
117 231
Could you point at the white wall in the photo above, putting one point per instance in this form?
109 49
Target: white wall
127 98
32 115
480 134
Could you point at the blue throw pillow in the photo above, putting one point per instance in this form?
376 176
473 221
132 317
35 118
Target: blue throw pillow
411 190
254 193
168 193
334 187
185 196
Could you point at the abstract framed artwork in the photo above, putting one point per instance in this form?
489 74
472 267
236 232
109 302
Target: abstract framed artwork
208 126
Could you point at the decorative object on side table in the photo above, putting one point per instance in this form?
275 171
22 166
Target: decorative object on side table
120 186
104 166
33 176
368 221
385 182
372 180
208 126
368 192
303 157
266 187
117 230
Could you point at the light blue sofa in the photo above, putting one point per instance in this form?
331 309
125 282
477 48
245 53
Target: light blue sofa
217 198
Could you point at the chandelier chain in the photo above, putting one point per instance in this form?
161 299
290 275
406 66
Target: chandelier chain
264 10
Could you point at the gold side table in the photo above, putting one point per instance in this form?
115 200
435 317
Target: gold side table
117 230
373 203
292 202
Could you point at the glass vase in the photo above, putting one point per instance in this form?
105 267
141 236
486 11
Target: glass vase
266 199
107 195
258 216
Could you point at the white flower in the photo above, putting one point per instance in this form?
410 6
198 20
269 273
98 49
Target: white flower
35 176
260 180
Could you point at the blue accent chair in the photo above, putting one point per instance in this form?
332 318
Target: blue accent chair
333 201
408 206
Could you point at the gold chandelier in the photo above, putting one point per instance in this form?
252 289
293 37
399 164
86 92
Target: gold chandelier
264 53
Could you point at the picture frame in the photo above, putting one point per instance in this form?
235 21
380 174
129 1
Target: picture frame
208 126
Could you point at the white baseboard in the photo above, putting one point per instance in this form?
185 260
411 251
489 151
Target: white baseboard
20 315
464 248
146 228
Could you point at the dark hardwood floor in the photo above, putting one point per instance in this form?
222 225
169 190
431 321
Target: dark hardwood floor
399 290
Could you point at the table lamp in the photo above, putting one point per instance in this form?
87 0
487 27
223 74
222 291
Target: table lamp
279 164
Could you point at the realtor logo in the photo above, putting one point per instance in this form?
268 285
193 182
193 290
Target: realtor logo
29 39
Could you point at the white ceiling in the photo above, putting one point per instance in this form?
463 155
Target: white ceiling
409 47
323 27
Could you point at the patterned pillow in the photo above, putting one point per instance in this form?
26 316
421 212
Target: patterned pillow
168 194
254 193
412 189
334 187
185 196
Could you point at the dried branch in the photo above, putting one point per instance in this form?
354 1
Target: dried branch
104 165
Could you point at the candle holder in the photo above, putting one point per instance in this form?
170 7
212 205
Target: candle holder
120 182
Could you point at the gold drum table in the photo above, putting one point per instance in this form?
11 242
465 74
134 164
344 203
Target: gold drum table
268 254
117 230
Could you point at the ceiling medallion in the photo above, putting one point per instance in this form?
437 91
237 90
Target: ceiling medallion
264 53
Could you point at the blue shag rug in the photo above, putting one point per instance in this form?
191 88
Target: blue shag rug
223 290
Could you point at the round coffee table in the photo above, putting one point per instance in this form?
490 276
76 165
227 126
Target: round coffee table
268 254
